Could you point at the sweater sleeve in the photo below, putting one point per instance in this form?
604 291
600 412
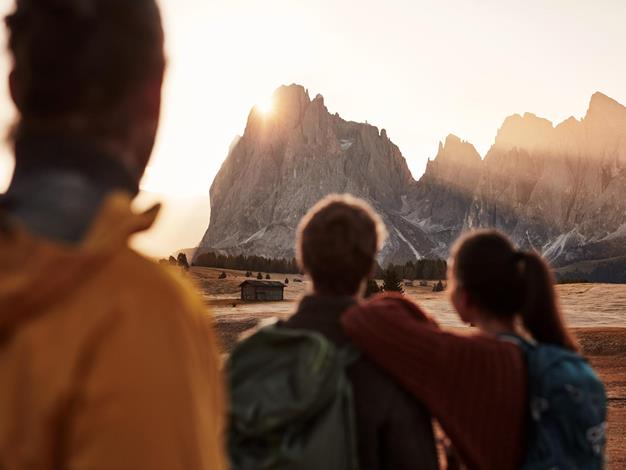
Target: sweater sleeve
474 385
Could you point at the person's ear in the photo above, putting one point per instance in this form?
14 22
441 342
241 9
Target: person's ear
463 304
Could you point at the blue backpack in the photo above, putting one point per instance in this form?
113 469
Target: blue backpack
567 421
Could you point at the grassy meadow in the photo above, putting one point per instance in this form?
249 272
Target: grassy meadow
596 312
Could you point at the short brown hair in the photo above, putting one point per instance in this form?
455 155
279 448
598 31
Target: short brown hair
337 243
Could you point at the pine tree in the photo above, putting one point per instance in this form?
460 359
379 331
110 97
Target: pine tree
182 261
268 277
392 282
259 276
286 281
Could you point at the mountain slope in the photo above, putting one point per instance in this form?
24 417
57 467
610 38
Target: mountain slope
557 189
289 159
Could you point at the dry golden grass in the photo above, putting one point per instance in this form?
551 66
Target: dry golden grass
606 349
597 313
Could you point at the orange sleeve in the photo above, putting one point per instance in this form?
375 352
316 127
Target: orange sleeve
149 393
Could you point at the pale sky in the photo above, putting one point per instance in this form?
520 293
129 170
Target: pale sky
420 69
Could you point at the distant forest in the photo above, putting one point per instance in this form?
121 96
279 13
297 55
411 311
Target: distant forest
427 269
248 263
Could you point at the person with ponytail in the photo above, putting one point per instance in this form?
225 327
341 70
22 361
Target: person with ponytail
494 286
482 387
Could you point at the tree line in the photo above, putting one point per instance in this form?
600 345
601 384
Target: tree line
423 269
247 263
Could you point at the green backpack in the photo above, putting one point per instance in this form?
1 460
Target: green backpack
291 404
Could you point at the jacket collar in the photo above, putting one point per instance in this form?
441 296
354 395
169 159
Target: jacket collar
325 307
36 272
60 183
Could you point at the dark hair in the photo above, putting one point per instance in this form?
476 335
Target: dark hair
337 244
505 282
82 58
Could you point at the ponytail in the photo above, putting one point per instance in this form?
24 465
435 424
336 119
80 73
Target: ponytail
541 314
506 282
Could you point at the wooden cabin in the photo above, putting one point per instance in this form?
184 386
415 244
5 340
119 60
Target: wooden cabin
263 291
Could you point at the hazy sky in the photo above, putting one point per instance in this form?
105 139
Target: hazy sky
420 69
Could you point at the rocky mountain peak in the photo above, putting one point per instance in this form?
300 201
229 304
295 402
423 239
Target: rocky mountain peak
289 104
456 164
605 112
569 123
444 193
288 159
519 130
602 105
455 150
559 190
288 98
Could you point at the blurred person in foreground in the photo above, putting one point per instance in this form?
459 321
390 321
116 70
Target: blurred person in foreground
106 360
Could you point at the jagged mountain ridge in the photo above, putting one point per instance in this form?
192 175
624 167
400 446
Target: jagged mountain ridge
559 189
287 160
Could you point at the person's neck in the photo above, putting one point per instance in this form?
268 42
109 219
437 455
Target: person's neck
105 163
60 182
494 326
321 293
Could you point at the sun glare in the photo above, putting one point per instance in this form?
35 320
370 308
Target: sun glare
265 106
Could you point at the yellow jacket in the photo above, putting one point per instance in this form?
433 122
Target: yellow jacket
107 361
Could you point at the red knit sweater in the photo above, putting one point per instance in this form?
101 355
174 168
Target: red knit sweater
474 385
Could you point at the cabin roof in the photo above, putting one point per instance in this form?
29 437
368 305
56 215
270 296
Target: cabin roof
259 283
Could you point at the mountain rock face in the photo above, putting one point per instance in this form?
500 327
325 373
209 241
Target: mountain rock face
441 199
289 159
560 190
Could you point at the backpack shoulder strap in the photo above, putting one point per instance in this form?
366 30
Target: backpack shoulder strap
517 340
349 354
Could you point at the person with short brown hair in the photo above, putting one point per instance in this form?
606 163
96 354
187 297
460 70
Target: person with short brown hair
337 244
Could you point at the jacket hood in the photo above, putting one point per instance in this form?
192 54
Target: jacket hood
36 273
